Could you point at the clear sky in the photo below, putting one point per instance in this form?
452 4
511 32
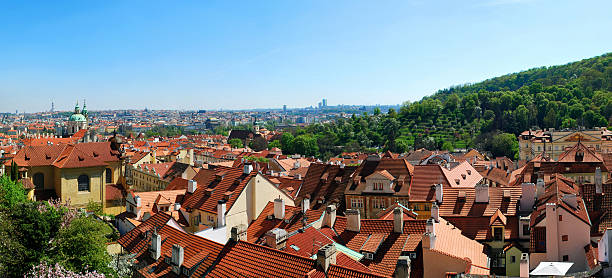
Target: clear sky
259 54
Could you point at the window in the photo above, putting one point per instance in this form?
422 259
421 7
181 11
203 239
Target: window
109 175
378 203
565 258
564 237
211 219
498 233
83 183
39 181
513 259
560 217
378 186
525 229
356 203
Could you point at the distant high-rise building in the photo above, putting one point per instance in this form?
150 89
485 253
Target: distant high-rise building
52 106
324 102
320 105
285 108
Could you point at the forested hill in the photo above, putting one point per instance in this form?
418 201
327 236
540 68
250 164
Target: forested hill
566 96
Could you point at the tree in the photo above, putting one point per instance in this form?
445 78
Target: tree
14 171
306 145
275 144
504 144
81 246
287 143
259 144
448 146
11 193
235 143
376 111
95 207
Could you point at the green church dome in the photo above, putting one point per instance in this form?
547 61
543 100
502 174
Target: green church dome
77 118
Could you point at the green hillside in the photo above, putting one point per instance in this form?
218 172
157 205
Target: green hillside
565 96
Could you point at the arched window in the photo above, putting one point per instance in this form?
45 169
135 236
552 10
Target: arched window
109 175
83 183
39 181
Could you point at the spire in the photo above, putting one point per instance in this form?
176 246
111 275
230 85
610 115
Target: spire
76 107
84 111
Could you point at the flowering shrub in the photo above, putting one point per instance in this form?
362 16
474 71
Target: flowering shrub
44 270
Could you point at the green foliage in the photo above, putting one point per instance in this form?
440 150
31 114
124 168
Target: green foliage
258 144
14 171
95 207
566 96
81 246
235 143
448 146
47 232
11 193
275 144
257 159
505 144
306 144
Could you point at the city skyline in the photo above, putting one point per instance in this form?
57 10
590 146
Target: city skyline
241 56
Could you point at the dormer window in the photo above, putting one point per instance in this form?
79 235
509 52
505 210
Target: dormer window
378 186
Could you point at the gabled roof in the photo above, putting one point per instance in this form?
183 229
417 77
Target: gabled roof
292 222
425 177
449 240
212 186
390 248
589 155
324 181
555 189
66 155
199 253
267 262
453 206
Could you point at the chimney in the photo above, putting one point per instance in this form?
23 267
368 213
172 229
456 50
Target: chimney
552 235
248 168
528 192
155 246
177 206
598 181
398 220
326 256
239 233
221 209
429 237
482 193
177 258
353 220
571 200
330 216
192 186
138 201
402 268
435 212
305 205
296 165
524 265
298 176
279 208
191 158
540 188
276 238
439 193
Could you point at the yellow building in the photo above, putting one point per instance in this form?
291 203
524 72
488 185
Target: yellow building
157 176
77 173
554 142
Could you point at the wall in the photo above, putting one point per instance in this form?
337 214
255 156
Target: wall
513 269
578 237
69 186
437 265
48 173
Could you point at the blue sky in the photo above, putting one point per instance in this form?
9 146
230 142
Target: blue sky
256 54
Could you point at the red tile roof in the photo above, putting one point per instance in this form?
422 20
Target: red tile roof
218 181
292 222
